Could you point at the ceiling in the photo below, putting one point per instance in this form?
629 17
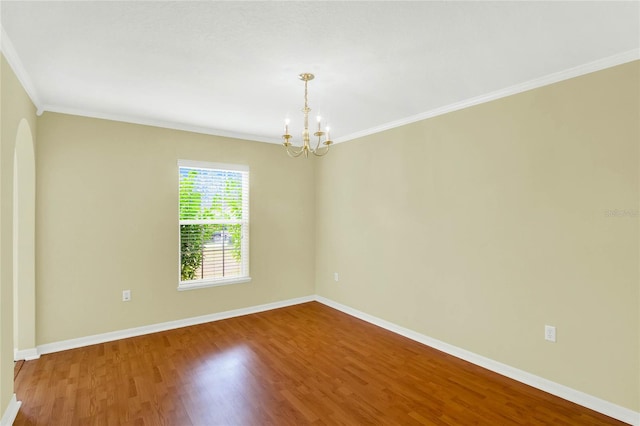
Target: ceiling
230 68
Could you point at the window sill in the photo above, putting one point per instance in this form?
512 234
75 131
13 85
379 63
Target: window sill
193 285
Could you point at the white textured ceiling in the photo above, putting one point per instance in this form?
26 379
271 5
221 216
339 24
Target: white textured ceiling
231 68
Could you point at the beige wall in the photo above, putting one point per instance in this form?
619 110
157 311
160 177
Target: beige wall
16 108
106 221
480 226
476 228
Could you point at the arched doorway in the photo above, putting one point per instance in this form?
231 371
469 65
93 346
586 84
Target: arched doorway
24 221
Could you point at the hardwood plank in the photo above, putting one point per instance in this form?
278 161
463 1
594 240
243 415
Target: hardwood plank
16 368
304 364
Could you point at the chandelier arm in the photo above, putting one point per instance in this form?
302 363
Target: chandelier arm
318 143
293 153
317 152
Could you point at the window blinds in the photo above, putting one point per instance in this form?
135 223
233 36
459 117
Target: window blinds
214 222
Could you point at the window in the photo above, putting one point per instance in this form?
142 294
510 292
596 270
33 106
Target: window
214 224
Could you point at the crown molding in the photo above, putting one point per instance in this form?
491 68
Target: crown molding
611 61
10 54
157 123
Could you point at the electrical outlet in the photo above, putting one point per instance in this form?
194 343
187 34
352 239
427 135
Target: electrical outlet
550 333
126 295
336 278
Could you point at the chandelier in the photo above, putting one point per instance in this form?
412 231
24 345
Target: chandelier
306 146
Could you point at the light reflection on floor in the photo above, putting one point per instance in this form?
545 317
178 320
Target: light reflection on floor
224 384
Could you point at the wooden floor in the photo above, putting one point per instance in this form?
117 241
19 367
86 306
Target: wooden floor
305 364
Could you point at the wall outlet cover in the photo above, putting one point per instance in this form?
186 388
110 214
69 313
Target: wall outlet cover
549 333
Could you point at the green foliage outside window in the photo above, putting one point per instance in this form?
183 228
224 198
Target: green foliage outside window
226 204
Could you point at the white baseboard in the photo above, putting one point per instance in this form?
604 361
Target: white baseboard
25 354
10 412
605 407
154 328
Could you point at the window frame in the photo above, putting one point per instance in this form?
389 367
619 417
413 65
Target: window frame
244 222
